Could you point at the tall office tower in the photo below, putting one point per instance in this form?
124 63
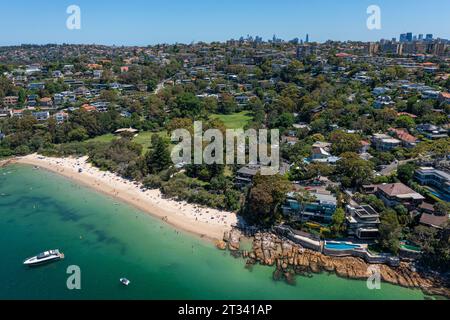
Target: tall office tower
403 37
420 37
307 38
394 39
429 37
409 37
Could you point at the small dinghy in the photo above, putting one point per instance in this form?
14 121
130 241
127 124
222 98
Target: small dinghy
125 281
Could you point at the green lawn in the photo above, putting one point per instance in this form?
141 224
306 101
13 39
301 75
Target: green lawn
235 120
145 138
104 138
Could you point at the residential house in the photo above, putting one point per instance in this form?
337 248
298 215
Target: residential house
320 209
88 108
10 101
431 220
245 175
57 74
383 102
45 103
444 97
41 115
291 141
365 145
408 140
5 113
384 142
380 91
36 86
321 153
397 193
430 94
438 179
362 221
61 117
17 113
431 131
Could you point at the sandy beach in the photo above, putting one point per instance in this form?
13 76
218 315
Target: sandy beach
201 221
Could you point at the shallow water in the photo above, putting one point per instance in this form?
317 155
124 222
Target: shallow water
108 240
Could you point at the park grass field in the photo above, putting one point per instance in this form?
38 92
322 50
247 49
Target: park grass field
234 121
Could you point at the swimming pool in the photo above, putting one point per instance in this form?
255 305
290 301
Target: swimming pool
341 246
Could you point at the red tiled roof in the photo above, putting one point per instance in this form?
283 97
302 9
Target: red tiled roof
395 189
403 135
407 114
432 220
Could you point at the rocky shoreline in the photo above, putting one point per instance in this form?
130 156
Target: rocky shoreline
290 259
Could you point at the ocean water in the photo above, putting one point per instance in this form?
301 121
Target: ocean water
108 240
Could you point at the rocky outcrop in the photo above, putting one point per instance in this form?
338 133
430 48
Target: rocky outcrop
221 245
233 239
290 259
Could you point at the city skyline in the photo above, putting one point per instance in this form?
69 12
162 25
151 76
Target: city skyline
149 22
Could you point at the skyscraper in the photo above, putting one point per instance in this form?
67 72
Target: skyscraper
409 37
429 37
403 37
307 38
420 37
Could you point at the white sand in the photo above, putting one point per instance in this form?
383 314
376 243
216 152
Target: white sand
205 222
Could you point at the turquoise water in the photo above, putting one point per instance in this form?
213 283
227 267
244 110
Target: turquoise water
341 246
109 240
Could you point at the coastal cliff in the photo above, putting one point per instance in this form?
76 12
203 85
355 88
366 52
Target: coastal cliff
290 259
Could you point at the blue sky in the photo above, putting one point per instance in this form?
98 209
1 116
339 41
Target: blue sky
143 22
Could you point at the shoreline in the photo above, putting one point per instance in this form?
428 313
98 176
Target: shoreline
204 222
290 259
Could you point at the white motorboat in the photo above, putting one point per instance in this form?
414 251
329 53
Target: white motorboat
125 281
44 257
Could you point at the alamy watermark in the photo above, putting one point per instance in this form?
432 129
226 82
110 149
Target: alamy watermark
74 280
73 22
239 146
374 280
374 19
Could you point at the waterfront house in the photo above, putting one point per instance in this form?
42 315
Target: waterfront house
321 208
394 194
438 179
362 221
